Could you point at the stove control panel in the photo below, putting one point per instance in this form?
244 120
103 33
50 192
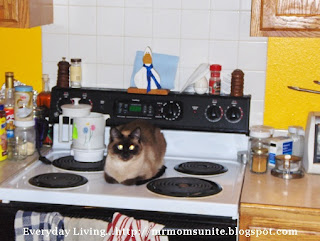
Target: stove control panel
182 111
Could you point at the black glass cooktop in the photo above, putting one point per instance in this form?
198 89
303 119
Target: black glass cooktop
184 187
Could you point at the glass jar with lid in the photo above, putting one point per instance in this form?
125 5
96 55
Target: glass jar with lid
258 148
75 73
25 131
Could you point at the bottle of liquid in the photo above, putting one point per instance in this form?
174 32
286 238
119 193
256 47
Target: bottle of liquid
44 97
9 104
215 80
75 73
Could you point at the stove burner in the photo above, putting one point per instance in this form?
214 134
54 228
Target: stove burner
69 163
58 180
200 168
184 187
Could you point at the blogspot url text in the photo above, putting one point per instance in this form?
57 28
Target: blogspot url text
228 232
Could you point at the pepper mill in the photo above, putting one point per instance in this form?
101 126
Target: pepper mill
63 73
237 81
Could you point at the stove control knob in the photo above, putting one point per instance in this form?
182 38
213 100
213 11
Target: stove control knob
234 114
213 113
171 110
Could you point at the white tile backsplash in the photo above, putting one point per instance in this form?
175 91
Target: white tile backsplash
107 34
195 24
199 4
166 23
138 22
110 21
83 47
110 50
82 20
225 5
224 25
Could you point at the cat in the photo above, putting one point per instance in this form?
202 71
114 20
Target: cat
135 153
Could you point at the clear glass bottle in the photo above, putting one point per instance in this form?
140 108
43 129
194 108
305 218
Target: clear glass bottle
215 80
44 97
25 131
9 104
75 73
258 149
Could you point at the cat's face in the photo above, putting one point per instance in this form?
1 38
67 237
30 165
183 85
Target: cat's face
125 147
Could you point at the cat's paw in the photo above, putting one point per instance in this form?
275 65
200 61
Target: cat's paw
132 181
109 179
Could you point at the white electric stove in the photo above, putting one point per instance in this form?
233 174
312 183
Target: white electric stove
196 128
182 147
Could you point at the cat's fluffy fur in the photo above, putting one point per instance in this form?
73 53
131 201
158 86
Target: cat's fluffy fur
143 162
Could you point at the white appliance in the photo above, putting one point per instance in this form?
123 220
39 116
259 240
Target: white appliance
185 142
311 158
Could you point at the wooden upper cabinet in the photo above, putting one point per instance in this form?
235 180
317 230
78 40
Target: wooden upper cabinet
285 18
25 13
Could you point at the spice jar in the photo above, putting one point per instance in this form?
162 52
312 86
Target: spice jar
258 151
75 73
215 80
25 131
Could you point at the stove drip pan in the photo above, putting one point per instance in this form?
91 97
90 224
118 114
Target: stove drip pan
184 187
58 180
69 163
200 168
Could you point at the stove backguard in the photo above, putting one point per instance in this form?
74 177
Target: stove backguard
179 111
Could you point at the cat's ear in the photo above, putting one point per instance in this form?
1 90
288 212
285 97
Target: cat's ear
136 133
115 133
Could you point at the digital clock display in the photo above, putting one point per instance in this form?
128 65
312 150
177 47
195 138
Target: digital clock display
135 108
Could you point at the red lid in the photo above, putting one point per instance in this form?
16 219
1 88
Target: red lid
215 67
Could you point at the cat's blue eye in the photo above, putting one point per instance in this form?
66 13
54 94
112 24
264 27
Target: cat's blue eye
131 147
120 147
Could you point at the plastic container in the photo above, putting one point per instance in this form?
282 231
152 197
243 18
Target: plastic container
75 73
258 149
25 131
3 134
215 80
297 135
23 103
9 104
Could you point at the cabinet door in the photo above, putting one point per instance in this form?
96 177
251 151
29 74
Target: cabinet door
9 11
287 18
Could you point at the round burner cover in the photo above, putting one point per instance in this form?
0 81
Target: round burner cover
58 180
200 168
184 187
69 163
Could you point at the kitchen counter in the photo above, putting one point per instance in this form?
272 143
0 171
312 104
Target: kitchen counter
269 190
278 206
11 167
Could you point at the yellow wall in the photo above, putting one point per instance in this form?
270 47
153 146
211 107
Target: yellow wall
21 53
295 62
